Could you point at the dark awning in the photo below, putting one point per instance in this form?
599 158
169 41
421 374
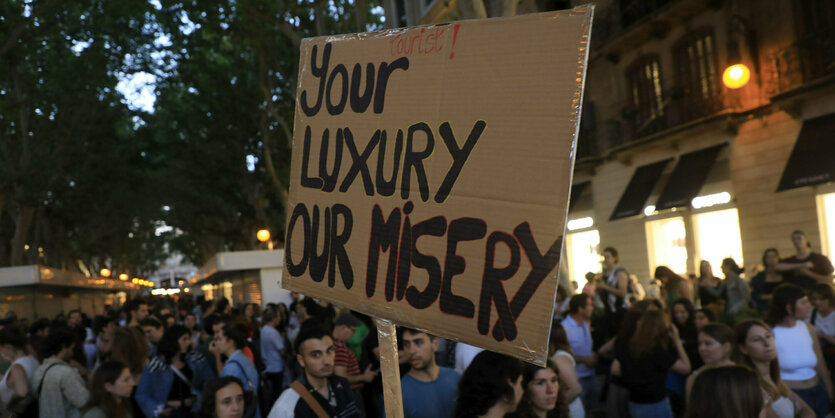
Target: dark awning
813 158
688 178
576 191
632 201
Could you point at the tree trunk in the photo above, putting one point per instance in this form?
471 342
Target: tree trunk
362 15
472 9
24 220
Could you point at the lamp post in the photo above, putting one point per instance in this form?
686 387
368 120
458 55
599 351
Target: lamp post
263 235
104 272
123 277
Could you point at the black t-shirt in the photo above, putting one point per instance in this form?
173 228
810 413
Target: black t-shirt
645 377
822 266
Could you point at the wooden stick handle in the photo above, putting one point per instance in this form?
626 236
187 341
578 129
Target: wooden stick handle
390 368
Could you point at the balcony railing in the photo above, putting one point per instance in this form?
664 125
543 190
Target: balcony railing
806 60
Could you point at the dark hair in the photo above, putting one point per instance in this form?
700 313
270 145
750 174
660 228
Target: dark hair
13 336
611 250
577 302
236 332
741 331
169 346
525 408
669 274
486 381
731 263
650 332
726 392
688 306
208 406
631 318
309 330
561 292
268 315
130 347
769 250
133 305
800 232
310 306
150 321
719 332
108 372
825 291
38 326
58 339
783 295
558 340
706 312
209 322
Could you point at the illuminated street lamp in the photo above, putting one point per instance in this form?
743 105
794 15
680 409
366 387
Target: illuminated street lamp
104 272
135 281
123 277
736 76
263 235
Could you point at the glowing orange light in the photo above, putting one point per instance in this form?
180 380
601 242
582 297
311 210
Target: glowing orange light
135 281
105 273
736 76
263 235
123 277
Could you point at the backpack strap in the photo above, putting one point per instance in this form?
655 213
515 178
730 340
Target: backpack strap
43 379
299 388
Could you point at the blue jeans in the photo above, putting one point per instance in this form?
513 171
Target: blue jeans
651 410
590 394
816 398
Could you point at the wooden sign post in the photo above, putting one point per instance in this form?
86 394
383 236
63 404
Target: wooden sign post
430 177
390 368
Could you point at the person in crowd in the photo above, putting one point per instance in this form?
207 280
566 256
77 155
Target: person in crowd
639 293
644 361
464 355
491 387
272 353
755 348
110 391
613 283
577 328
702 317
137 310
317 388
172 381
737 290
673 286
716 344
729 391
802 366
806 267
684 318
130 346
252 313
190 322
14 388
346 363
561 354
77 321
229 341
764 282
711 290
428 389
60 389
542 397
224 397
154 330
823 319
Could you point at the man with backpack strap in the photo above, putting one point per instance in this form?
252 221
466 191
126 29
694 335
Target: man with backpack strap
60 390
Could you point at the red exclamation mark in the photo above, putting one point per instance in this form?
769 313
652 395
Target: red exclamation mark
454 37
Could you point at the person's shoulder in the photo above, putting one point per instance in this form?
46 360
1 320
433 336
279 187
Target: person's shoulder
94 412
156 364
195 356
285 406
448 373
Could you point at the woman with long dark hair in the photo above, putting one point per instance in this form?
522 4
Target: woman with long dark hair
673 286
643 363
225 397
110 391
491 386
173 380
543 397
756 349
710 289
729 391
802 366
764 282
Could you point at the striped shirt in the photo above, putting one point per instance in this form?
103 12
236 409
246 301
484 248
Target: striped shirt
345 357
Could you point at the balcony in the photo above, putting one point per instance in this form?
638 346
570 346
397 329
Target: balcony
806 60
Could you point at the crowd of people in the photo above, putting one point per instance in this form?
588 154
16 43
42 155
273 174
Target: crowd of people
680 347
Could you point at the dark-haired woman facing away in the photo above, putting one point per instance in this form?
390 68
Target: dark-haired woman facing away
491 386
110 391
730 391
173 380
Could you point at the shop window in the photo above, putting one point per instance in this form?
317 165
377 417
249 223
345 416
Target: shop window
583 257
717 237
826 217
666 243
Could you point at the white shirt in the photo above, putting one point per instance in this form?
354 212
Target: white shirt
825 324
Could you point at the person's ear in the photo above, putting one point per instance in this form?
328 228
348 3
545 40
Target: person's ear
300 359
435 343
108 387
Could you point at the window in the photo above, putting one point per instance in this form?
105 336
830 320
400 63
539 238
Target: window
666 243
696 75
717 237
583 257
826 218
644 81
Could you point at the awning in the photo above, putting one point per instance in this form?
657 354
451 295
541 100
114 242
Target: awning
813 158
632 201
576 191
688 178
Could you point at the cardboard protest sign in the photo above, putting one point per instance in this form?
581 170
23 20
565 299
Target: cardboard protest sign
430 174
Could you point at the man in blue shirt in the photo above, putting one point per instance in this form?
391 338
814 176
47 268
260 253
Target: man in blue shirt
229 341
576 327
428 390
272 352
